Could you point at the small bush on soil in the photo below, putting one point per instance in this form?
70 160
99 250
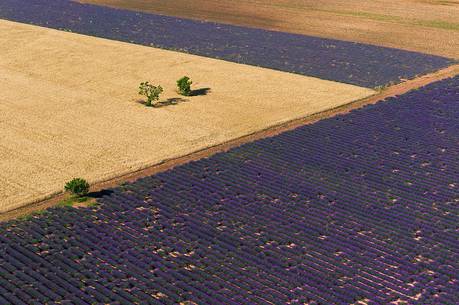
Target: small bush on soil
151 92
184 86
77 186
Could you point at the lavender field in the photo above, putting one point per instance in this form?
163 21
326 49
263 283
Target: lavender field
360 207
348 62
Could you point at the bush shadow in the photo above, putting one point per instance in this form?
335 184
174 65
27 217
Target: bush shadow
169 102
176 100
99 194
201 91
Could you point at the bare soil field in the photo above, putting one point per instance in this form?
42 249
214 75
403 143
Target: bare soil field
69 107
427 26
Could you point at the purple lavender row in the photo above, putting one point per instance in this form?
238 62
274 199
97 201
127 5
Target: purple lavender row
357 207
348 62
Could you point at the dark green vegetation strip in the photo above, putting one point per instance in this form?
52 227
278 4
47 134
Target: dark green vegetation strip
362 206
353 63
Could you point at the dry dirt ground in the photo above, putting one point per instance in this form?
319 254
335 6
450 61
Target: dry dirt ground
428 26
68 107
97 189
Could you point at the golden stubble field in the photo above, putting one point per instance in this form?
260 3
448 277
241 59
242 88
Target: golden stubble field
68 107
428 26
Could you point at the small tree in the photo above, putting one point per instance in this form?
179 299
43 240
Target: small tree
184 86
77 186
150 91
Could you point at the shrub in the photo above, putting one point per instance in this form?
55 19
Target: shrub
184 86
150 91
77 186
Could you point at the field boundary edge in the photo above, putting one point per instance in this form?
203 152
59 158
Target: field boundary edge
387 92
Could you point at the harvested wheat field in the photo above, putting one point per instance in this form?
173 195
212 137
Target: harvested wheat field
428 26
69 107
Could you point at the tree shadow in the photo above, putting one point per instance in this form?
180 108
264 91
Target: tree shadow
169 102
140 101
99 194
176 100
201 91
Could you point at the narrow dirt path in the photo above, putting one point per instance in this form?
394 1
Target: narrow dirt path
272 131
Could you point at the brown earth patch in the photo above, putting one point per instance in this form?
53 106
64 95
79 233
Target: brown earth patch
427 26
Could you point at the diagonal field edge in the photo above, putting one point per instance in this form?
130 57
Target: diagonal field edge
347 62
71 75
356 208
390 92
